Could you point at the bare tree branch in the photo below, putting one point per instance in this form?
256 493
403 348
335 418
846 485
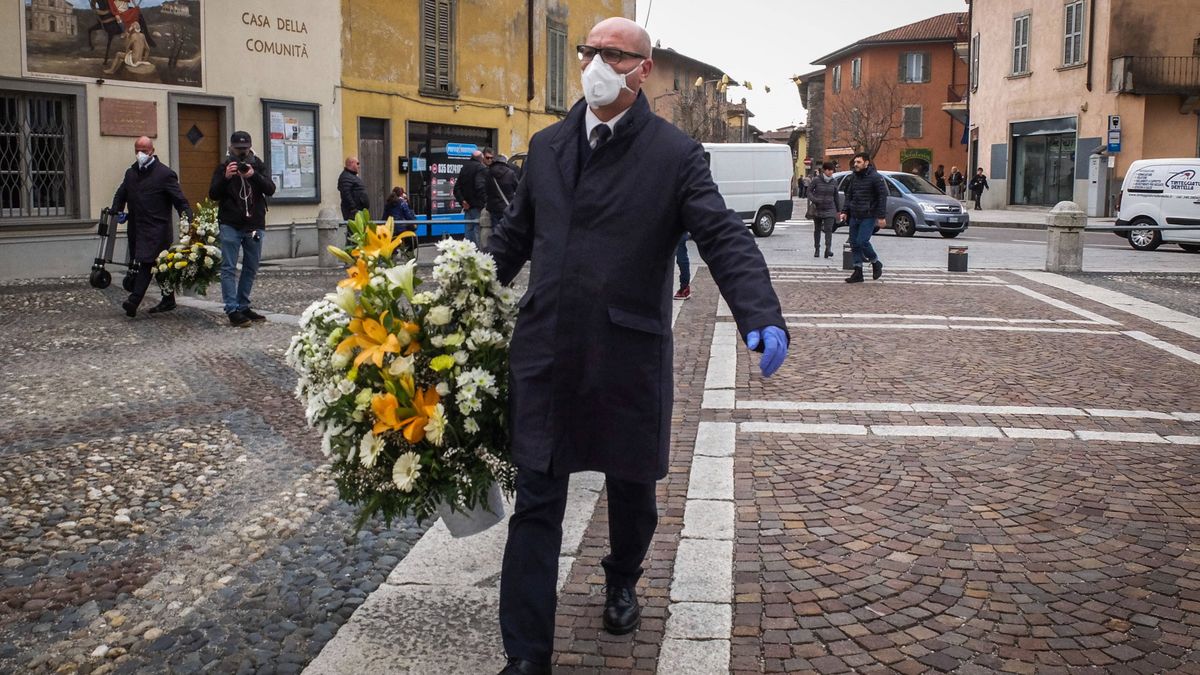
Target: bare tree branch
700 113
866 117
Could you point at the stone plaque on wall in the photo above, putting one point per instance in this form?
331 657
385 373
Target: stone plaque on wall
126 117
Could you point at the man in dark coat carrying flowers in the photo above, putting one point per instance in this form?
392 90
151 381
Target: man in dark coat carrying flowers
604 198
150 189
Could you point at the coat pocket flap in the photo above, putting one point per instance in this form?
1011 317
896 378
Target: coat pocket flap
627 319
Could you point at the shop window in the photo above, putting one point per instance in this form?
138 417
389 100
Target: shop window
1073 33
556 67
913 121
293 152
914 67
39 168
437 47
1020 51
837 79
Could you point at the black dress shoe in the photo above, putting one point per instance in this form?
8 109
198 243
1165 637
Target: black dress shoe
130 308
253 315
622 614
523 667
165 305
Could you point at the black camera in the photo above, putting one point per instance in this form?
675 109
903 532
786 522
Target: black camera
243 167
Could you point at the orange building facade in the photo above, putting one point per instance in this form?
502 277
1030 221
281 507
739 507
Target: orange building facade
906 86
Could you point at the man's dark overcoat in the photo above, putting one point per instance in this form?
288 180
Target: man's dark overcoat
590 363
150 193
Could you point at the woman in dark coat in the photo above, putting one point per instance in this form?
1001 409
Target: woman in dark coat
396 207
822 192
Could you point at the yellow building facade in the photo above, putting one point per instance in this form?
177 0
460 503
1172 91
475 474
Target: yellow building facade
425 81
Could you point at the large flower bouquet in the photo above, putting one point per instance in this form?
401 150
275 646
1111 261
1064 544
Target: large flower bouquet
408 388
195 262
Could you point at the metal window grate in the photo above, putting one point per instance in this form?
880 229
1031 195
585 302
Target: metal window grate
37 156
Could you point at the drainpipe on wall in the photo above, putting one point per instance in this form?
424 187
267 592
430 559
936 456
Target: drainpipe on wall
1091 41
529 53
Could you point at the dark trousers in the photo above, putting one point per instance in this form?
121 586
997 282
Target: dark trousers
529 576
141 284
977 196
681 259
823 224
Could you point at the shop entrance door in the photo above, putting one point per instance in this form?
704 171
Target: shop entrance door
200 149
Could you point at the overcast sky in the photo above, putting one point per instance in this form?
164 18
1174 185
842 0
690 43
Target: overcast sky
768 41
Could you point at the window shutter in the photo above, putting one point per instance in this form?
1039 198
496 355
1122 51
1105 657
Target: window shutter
902 76
429 44
926 65
443 46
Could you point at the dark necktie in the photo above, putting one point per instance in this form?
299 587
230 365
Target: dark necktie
601 134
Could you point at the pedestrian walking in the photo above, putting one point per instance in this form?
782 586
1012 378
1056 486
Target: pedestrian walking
352 190
396 207
865 209
822 192
501 186
939 177
957 180
979 183
605 195
149 190
240 186
685 269
470 190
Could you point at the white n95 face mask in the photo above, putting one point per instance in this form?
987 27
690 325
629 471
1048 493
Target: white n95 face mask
142 158
601 84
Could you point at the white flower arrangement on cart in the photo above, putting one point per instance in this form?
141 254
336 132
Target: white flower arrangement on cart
195 262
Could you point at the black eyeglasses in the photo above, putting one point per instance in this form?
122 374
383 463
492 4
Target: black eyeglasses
609 55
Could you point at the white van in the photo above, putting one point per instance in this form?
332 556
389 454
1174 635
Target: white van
756 181
1162 193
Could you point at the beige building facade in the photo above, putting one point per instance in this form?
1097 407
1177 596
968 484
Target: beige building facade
1052 78
76 92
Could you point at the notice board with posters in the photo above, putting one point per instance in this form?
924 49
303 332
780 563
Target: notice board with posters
292 153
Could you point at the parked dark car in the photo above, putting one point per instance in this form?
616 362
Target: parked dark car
916 205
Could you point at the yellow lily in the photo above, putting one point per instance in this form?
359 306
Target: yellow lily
357 277
386 409
425 403
380 241
372 338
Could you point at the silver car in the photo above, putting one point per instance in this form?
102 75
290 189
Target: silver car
916 205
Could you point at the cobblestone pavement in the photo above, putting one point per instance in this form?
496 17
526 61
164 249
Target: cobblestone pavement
163 507
1180 292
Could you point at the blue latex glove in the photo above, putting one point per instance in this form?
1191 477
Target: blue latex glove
122 217
774 347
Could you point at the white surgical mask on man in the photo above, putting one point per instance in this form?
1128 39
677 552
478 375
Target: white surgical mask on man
602 85
142 158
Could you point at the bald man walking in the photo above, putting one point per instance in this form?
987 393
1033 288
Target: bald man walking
353 190
149 190
605 196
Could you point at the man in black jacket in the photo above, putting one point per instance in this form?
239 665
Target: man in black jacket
240 186
470 189
501 186
865 209
353 190
149 190
604 197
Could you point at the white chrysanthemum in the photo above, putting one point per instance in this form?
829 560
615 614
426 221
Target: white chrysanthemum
424 298
435 428
470 425
439 315
406 471
369 448
346 386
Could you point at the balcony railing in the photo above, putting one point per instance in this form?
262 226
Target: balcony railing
956 93
1148 75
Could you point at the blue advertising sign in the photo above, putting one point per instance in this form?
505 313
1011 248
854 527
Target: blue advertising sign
463 150
1114 140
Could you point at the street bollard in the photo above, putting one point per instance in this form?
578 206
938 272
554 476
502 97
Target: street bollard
1064 238
956 259
328 224
847 256
485 228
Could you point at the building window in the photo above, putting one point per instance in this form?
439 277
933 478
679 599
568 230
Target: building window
1073 33
837 79
1020 55
294 160
913 119
975 62
675 85
856 73
437 47
914 67
556 66
38 160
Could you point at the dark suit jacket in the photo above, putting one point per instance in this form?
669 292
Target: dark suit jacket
590 363
150 194
353 192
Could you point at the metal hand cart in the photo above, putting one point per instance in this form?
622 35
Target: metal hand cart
100 277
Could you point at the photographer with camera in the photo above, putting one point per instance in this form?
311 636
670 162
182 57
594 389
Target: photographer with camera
240 186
